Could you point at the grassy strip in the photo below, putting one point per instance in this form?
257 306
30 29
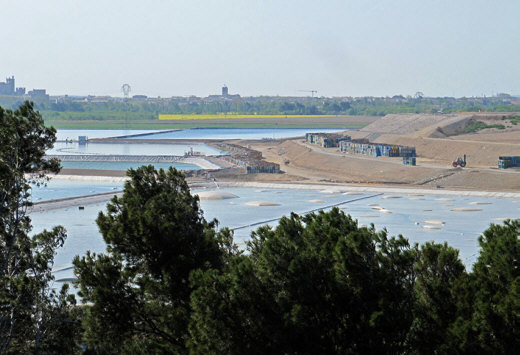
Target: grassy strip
155 125
233 116
515 120
477 126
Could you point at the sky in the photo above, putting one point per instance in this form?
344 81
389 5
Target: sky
262 47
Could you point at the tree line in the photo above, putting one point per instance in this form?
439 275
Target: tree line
171 281
135 110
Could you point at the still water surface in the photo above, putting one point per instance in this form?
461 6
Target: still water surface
62 148
237 133
124 165
404 215
194 133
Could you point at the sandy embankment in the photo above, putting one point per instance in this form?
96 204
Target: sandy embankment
437 139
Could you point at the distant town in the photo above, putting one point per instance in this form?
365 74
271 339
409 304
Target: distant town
8 88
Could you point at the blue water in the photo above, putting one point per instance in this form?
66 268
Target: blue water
124 165
195 133
409 213
56 189
63 134
238 133
62 148
461 229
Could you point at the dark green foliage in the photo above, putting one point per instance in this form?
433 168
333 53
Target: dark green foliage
156 235
496 280
438 271
315 284
478 126
32 314
515 120
320 284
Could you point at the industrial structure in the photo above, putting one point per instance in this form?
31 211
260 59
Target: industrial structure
361 146
251 160
508 162
326 140
377 149
409 161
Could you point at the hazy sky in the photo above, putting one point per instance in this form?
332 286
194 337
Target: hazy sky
269 47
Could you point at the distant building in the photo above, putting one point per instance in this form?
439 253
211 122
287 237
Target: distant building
221 98
139 97
7 88
38 94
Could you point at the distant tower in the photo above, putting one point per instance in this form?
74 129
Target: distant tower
224 90
126 90
10 85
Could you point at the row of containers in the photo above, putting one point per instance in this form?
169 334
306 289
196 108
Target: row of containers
362 146
508 162
377 149
326 140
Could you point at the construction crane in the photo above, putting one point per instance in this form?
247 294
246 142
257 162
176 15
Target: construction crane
311 91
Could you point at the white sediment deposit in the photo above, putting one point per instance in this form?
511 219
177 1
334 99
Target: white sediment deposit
434 221
316 201
329 191
381 209
216 195
416 198
466 209
391 196
261 203
444 199
373 189
432 227
480 203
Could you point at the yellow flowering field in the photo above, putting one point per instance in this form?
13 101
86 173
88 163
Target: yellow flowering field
221 116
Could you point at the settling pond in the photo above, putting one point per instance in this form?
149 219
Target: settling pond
195 133
458 220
